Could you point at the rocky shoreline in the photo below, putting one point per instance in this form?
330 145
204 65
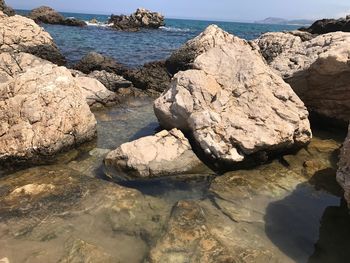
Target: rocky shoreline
222 104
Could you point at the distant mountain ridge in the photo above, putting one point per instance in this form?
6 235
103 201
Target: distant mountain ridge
282 21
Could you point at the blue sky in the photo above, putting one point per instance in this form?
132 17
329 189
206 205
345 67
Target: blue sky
246 10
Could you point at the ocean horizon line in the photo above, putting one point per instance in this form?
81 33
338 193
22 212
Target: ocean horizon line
214 20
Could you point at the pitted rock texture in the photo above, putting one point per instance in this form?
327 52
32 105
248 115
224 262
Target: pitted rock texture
317 70
233 107
42 112
164 154
142 18
343 175
22 34
12 64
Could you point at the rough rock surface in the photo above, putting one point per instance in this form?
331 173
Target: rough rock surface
232 107
111 80
164 154
117 84
343 175
151 76
324 26
47 15
42 111
272 44
142 18
95 61
317 70
95 93
6 9
19 33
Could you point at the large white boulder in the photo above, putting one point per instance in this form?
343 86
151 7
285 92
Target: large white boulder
232 102
164 154
42 111
22 34
318 70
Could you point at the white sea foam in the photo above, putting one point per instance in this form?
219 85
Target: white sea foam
174 29
100 24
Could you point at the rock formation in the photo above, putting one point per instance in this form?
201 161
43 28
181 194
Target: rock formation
47 15
95 93
317 70
232 107
142 18
95 61
110 80
343 175
19 33
325 26
6 9
164 154
42 112
151 76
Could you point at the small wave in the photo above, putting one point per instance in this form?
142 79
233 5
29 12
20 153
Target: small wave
175 29
100 24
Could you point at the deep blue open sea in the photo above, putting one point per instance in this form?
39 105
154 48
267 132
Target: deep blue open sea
137 48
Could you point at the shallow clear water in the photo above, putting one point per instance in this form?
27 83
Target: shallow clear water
279 207
295 211
137 48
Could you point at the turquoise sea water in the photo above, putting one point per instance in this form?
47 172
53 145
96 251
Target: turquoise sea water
137 48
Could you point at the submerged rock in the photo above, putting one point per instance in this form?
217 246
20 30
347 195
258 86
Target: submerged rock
324 26
42 111
23 35
256 215
49 223
317 70
95 61
164 154
6 9
142 18
198 232
232 107
343 175
188 238
48 15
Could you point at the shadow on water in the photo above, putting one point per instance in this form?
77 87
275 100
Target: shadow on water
313 211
